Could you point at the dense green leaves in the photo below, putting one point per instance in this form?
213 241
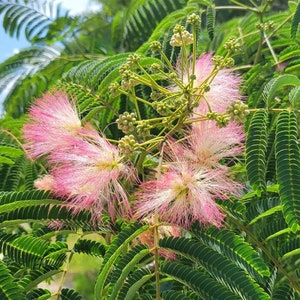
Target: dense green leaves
42 21
220 268
9 289
256 148
288 167
255 255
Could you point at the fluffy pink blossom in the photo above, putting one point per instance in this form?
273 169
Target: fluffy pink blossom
147 237
87 172
207 144
223 87
45 183
51 119
184 194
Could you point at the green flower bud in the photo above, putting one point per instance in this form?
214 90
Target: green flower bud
155 46
127 145
125 122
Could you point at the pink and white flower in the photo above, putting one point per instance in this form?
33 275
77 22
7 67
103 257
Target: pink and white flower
88 172
52 119
207 144
223 85
185 194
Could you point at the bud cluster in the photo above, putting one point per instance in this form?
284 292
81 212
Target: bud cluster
181 37
166 107
155 68
223 62
194 19
265 26
127 144
143 129
232 45
133 59
155 46
125 122
113 89
238 111
221 119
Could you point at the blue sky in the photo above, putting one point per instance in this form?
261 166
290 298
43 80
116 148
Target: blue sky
9 45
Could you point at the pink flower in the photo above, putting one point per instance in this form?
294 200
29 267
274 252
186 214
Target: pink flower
207 144
45 183
52 118
184 194
87 172
223 87
147 237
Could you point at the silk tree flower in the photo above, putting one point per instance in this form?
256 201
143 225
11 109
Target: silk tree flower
51 120
88 172
184 194
45 183
147 237
207 144
223 87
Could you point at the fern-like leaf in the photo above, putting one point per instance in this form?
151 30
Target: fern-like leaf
174 295
256 147
40 20
90 247
118 245
142 18
210 21
295 22
272 87
40 294
26 250
283 292
288 167
222 269
198 281
125 266
9 289
69 294
236 249
134 283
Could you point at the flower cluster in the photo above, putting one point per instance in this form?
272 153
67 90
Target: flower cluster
188 146
85 168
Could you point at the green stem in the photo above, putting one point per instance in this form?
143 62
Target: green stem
244 6
156 259
63 277
271 49
136 103
167 61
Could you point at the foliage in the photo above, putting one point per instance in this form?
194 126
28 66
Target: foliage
256 254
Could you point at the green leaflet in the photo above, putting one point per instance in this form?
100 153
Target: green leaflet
142 18
210 21
288 167
35 18
273 85
89 247
118 245
69 294
198 280
256 148
234 247
9 289
295 22
134 282
222 269
127 264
